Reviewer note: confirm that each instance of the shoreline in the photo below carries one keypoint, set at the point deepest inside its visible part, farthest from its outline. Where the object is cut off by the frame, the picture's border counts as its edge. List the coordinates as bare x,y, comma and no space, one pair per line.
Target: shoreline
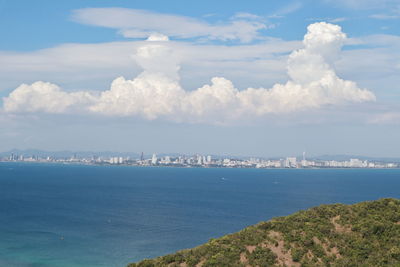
197,167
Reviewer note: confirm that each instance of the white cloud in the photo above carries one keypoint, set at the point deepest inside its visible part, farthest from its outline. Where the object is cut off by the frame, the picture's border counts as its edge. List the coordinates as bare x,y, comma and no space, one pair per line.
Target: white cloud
93,66
158,37
336,20
392,117
384,16
157,93
288,9
135,23
390,13
150,95
72,65
246,15
374,63
44,97
328,19
365,4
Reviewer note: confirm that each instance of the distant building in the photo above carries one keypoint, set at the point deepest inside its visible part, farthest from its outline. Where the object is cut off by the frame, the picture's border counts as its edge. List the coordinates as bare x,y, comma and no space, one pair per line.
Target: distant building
304,161
356,163
154,159
291,162
115,160
166,160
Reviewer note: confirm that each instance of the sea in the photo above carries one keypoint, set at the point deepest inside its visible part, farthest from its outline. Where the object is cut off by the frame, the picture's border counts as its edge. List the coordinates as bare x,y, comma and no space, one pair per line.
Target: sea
58,215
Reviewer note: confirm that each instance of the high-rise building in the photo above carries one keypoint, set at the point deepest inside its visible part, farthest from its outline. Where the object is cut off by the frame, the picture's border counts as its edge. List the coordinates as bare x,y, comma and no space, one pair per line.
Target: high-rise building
356,163
154,159
115,160
291,162
304,161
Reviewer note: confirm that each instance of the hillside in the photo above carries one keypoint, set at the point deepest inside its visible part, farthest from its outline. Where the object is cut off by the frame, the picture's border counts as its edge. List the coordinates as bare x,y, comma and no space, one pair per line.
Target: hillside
363,234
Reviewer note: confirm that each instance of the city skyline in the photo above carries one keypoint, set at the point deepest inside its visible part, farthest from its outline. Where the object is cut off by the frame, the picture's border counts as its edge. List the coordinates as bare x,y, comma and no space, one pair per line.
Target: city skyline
262,79
204,161
140,155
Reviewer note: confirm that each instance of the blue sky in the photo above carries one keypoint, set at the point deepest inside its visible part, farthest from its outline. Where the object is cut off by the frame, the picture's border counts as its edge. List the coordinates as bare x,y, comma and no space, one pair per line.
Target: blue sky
42,24
69,52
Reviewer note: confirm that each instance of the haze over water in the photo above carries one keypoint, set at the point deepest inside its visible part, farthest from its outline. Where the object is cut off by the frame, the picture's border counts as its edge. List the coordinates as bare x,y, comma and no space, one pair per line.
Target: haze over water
75,215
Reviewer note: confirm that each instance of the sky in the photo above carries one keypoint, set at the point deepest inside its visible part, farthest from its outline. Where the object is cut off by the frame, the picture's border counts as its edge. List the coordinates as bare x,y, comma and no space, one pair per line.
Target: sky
252,78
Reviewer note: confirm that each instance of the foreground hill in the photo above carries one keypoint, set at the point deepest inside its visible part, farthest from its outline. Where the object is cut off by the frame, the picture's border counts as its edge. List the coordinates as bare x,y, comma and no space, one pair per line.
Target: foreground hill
363,234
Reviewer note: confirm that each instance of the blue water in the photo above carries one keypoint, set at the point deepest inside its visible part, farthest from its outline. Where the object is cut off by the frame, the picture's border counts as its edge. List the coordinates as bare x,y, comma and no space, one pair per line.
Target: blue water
72,215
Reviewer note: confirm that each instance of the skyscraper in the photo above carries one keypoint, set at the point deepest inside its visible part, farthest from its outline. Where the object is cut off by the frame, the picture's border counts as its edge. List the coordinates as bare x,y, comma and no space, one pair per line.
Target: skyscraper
154,159
304,161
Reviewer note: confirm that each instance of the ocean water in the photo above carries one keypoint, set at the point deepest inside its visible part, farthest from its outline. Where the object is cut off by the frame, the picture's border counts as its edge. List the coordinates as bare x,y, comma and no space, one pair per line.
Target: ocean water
73,215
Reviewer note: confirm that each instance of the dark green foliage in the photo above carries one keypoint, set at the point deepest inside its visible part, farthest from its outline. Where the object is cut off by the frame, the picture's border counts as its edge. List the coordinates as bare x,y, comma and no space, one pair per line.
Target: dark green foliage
363,234
146,263
297,254
262,257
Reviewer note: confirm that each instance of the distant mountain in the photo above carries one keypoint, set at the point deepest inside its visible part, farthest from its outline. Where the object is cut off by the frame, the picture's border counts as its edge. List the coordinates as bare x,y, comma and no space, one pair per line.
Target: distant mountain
363,234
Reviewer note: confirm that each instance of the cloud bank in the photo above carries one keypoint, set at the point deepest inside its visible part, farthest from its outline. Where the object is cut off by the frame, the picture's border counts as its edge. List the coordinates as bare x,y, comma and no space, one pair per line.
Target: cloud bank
136,23
157,93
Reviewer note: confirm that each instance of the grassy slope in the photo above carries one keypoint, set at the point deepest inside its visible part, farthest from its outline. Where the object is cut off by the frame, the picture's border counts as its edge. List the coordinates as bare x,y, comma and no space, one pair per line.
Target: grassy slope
363,234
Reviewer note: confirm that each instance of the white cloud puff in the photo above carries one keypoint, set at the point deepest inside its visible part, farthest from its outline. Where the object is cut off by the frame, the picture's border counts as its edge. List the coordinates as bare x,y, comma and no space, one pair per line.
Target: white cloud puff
157,93
150,95
44,97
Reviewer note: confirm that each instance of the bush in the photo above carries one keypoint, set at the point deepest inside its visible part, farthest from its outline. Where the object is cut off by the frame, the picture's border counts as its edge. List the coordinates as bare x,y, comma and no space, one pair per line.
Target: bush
373,240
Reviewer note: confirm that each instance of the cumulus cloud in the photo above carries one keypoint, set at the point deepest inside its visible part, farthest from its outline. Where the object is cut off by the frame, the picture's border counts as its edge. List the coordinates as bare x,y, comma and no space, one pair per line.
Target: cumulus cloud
157,93
136,23
77,66
44,97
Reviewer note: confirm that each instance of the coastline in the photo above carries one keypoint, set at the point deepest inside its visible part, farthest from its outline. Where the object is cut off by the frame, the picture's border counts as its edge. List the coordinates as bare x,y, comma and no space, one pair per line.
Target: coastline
196,167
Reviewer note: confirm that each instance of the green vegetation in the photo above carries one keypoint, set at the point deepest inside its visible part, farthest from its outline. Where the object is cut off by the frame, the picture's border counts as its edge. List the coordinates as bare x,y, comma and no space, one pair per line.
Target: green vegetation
363,234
